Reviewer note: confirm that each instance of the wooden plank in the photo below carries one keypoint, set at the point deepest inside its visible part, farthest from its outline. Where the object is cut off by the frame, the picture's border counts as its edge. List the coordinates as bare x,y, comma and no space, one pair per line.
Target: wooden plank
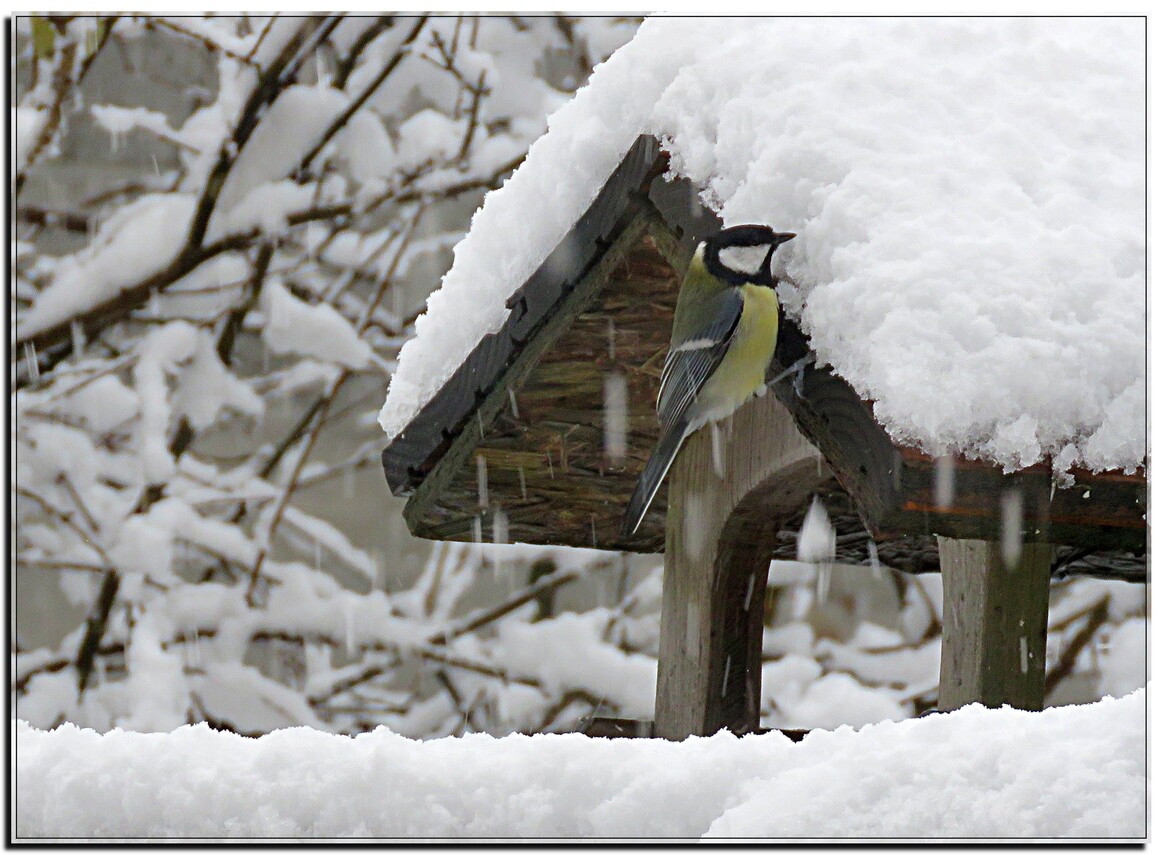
720,530
1101,511
617,728
634,728
993,640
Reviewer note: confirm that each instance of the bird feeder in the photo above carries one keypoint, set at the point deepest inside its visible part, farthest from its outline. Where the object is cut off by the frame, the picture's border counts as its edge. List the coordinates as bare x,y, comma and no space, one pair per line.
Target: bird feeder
519,433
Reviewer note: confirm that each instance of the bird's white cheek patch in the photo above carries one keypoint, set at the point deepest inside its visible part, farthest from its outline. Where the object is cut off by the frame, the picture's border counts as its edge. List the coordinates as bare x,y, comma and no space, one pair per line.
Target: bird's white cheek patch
745,260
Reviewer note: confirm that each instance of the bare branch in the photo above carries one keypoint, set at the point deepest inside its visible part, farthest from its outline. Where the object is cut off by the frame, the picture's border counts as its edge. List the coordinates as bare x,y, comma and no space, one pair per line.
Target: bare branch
62,85
1065,665
270,84
95,625
207,42
361,99
262,36
481,617
347,65
478,93
49,340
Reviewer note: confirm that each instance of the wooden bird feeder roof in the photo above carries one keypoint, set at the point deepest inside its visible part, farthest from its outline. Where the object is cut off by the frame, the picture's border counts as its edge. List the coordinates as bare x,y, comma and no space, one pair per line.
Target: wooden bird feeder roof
519,428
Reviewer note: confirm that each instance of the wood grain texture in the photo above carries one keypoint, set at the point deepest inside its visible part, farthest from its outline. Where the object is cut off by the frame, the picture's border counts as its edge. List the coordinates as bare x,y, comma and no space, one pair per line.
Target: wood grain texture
544,445
1104,511
993,639
721,528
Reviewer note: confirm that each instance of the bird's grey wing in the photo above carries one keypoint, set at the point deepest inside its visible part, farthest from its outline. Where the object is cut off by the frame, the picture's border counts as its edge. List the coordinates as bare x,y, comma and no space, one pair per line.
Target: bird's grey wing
689,364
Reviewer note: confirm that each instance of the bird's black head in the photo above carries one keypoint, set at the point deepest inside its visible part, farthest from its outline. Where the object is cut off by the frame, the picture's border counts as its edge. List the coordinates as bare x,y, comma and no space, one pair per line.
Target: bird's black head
743,254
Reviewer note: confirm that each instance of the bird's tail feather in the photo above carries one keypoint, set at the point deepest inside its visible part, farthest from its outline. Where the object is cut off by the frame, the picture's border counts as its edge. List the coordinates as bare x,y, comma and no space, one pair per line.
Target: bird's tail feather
651,478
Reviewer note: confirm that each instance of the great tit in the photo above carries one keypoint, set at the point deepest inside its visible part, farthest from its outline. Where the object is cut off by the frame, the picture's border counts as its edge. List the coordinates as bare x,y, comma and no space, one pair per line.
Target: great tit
723,337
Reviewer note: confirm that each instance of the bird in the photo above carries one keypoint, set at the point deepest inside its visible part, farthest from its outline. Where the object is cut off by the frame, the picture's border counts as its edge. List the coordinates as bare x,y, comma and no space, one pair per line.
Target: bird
723,336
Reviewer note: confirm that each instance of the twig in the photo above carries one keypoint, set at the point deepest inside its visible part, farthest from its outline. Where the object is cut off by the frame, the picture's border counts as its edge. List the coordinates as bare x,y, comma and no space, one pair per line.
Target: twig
436,654
66,518
95,319
457,702
104,33
475,620
93,375
262,36
478,93
115,193
568,699
452,190
1065,664
347,65
361,99
206,41
233,323
98,617
48,564
344,685
934,627
285,497
80,505
368,455
62,86
70,221
95,625
293,435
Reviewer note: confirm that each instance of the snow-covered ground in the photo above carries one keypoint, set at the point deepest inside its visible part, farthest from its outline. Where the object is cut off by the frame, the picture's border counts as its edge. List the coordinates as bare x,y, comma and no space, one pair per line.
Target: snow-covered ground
1075,772
968,195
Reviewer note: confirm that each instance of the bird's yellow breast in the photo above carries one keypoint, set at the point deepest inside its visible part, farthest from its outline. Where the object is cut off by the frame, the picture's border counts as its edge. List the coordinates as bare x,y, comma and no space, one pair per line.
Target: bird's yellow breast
744,367
758,328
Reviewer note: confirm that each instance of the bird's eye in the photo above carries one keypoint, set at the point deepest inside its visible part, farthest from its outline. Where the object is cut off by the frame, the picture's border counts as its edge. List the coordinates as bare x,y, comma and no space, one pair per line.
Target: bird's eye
744,260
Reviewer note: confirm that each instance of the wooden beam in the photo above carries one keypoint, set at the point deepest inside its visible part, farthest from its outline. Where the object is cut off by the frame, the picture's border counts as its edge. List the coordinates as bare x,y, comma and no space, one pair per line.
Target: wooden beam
721,528
893,486
1101,511
993,638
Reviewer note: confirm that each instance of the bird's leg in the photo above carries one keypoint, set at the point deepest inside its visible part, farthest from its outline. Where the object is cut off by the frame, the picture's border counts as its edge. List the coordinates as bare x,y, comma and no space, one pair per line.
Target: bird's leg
797,368
800,366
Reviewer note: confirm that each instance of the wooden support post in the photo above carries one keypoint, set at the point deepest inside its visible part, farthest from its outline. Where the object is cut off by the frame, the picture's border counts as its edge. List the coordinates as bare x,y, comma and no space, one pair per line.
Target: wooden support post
721,525
993,641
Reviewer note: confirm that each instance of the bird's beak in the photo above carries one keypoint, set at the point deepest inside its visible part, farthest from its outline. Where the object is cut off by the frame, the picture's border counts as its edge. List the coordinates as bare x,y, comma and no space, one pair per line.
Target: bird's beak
781,237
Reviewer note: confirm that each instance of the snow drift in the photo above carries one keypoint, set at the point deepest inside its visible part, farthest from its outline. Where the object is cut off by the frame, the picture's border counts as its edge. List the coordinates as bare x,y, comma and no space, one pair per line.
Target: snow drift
1076,772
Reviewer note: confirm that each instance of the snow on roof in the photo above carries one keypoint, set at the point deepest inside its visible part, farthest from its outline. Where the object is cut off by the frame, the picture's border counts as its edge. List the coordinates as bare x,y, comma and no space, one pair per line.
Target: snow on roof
969,197
1077,771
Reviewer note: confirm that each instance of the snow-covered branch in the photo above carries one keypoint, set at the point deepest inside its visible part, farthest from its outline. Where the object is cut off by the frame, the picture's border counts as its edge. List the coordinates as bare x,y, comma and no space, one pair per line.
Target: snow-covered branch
207,317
